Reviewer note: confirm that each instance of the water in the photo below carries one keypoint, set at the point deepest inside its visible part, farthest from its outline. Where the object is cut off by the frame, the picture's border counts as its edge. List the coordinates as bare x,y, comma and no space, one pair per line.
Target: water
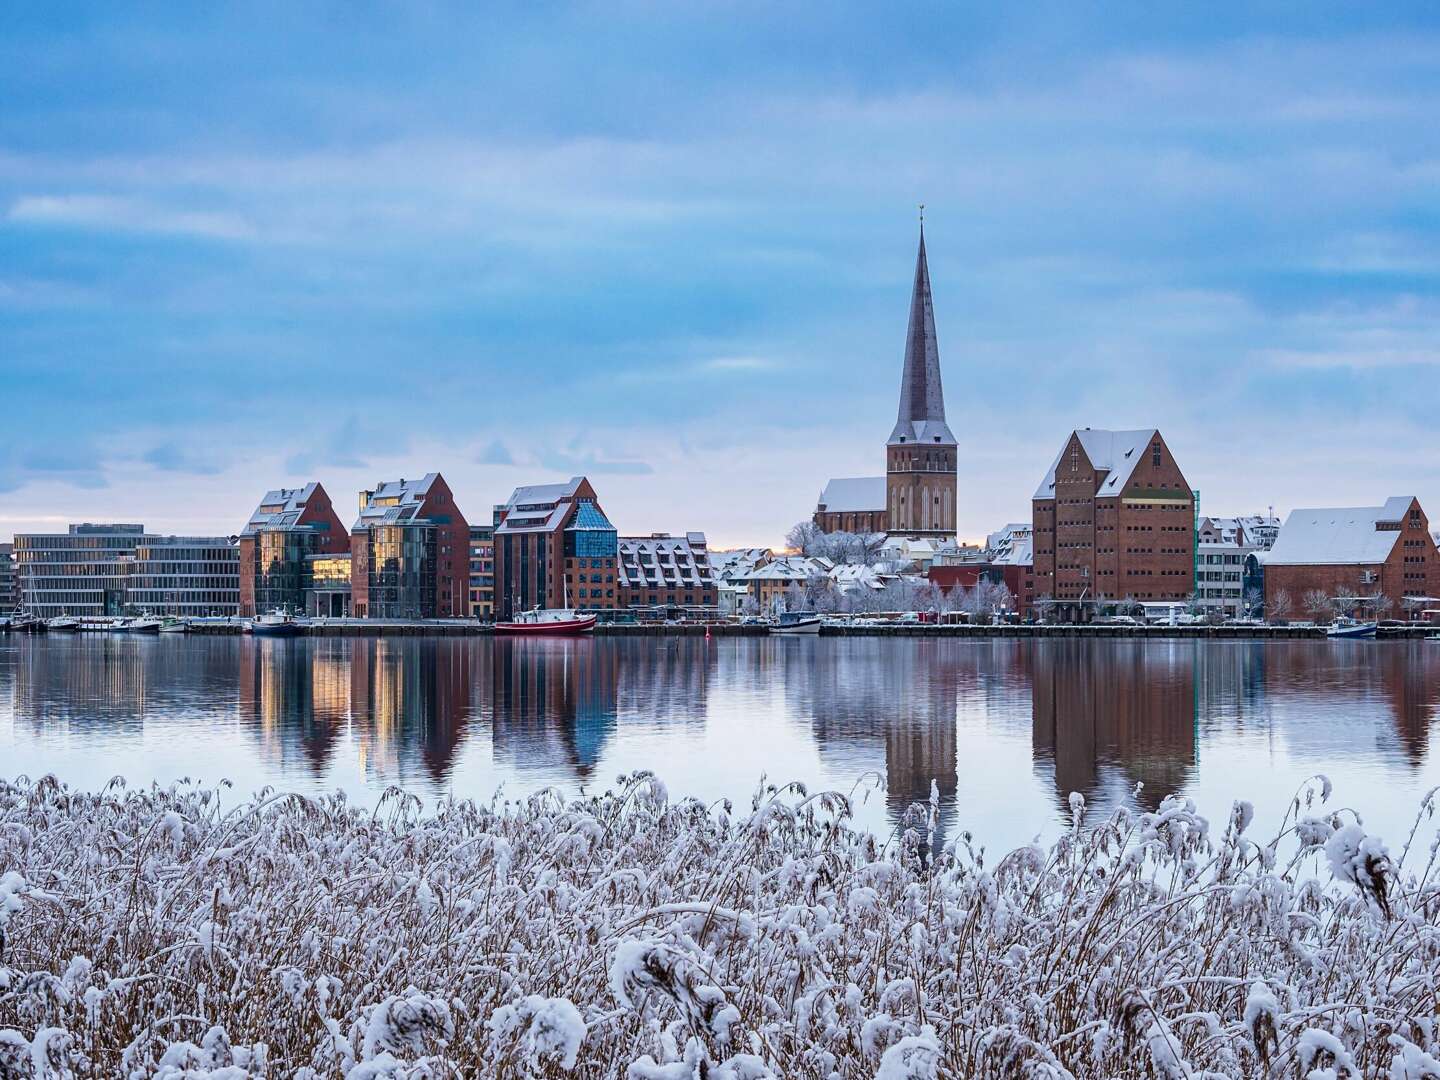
1006,728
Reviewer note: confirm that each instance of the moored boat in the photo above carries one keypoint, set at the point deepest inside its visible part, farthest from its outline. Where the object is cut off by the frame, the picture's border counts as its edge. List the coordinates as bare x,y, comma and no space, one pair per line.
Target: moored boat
27,623
797,622
1349,628
172,625
548,622
63,624
275,624
145,624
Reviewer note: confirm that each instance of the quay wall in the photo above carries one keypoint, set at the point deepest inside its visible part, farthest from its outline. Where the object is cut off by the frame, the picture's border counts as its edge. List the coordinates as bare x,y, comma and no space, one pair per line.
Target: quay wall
462,628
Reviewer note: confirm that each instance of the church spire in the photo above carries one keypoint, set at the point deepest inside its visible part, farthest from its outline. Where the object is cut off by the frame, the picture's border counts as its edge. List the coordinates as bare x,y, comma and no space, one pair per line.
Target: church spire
922,401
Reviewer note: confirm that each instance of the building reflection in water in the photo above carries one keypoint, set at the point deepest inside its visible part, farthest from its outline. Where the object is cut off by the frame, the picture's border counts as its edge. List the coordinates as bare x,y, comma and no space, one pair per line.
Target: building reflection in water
1096,717
552,704
1107,718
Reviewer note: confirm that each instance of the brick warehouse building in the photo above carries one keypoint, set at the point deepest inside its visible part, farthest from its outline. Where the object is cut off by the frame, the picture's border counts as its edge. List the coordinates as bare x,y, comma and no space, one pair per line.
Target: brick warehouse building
666,572
916,497
1382,554
554,548
1114,518
410,552
289,526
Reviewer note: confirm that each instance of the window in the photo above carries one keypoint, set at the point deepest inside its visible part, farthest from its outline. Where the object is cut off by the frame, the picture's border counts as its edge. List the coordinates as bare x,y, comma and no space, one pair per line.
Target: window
1155,454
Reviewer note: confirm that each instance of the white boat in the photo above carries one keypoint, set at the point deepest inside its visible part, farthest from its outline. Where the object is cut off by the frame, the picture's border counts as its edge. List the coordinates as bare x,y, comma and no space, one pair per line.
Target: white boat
64,624
797,622
145,624
172,625
1349,628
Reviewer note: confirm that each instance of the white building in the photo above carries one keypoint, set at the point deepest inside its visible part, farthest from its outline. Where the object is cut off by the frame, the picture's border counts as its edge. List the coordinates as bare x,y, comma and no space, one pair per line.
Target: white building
1221,546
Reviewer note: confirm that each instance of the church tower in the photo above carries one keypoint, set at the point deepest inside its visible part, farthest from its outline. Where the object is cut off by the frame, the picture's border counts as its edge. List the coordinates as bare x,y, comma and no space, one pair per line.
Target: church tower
920,455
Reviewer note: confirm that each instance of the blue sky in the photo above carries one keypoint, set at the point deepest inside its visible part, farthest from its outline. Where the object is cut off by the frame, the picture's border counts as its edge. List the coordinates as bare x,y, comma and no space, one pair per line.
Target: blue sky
671,246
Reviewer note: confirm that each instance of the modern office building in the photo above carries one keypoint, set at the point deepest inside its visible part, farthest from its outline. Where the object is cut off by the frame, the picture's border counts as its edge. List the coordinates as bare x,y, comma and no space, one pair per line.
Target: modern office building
482,572
1113,520
120,569
661,573
186,576
288,527
1382,559
410,552
554,548
327,585
917,495
8,595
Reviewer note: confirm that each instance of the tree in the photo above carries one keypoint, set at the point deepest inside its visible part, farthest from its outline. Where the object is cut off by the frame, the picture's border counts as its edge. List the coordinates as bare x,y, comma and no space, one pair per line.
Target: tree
1382,605
1280,606
803,535
749,605
1253,601
1345,602
1317,605
1044,607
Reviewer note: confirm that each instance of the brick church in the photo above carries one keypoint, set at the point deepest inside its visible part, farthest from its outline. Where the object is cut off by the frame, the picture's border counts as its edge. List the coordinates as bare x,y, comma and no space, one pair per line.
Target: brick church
916,496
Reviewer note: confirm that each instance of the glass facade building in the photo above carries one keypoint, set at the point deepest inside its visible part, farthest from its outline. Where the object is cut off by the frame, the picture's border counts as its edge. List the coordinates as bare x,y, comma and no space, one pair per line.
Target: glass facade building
9,597
106,570
402,563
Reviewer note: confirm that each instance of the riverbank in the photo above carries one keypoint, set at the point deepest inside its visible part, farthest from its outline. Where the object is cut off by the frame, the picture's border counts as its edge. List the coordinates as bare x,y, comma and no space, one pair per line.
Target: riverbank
466,628
157,931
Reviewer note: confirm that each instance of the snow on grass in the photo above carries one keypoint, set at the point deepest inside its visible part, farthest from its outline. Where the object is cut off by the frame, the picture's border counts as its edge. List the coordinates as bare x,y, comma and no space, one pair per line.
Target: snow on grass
158,934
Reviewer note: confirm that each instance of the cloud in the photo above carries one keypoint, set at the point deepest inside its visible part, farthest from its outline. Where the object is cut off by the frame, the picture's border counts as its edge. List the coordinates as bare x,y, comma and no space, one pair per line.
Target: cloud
76,463
124,214
173,457
497,453
589,463
737,363
344,448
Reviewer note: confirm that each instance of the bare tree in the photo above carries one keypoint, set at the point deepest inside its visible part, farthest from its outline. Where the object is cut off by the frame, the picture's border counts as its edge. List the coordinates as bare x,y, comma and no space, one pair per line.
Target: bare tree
1253,601
1280,606
1317,605
803,536
749,605
1044,606
1345,602
1382,605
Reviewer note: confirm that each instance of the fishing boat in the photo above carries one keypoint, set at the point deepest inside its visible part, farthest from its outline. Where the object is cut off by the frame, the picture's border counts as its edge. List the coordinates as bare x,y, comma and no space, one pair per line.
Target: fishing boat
797,622
275,624
548,622
172,625
26,623
65,624
1350,628
145,624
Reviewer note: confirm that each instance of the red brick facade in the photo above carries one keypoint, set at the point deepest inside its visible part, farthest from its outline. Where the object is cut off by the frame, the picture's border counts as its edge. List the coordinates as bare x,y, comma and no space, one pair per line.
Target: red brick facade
316,514
1412,569
1094,544
851,521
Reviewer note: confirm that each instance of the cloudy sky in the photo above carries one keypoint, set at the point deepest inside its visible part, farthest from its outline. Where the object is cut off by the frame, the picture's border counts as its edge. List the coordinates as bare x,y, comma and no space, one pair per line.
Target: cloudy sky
672,249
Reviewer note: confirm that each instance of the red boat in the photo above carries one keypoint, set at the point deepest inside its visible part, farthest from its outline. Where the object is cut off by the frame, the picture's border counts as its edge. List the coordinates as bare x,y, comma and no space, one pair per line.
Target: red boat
548,622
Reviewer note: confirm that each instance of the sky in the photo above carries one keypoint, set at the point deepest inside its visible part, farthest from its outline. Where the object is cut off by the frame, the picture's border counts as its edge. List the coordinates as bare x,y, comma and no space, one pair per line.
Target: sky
670,247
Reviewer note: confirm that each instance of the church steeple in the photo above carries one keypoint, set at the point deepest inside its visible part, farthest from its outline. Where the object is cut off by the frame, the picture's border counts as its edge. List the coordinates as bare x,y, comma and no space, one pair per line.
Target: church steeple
922,401
921,454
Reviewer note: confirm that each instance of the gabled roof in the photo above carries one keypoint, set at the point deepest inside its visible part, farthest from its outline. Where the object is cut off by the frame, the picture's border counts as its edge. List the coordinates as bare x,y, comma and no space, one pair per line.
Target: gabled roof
279,509
664,561
394,502
1117,452
1337,536
854,494
922,400
542,507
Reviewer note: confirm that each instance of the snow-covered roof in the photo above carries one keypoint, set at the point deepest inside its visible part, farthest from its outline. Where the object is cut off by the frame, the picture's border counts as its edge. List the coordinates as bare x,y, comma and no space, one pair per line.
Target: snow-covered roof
1117,452
664,561
854,494
541,507
279,509
394,502
1335,536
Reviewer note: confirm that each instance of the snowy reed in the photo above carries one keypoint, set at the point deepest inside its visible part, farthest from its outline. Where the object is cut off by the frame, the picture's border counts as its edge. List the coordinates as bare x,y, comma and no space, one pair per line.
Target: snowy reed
159,933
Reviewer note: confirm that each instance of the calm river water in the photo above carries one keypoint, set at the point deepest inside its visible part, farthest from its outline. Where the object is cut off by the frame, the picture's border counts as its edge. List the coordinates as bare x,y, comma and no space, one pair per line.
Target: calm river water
1007,728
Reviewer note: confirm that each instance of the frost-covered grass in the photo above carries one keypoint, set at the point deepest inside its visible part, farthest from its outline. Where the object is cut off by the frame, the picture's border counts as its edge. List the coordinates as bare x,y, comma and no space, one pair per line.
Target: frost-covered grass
151,933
